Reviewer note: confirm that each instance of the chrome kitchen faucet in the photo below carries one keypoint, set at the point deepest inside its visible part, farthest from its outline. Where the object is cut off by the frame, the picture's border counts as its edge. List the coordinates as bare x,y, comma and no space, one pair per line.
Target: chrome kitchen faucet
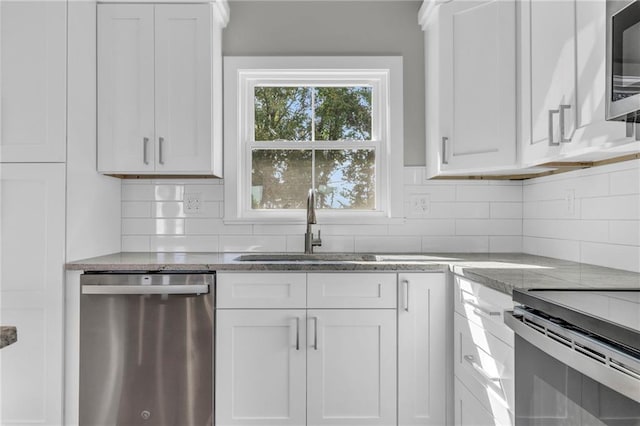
309,241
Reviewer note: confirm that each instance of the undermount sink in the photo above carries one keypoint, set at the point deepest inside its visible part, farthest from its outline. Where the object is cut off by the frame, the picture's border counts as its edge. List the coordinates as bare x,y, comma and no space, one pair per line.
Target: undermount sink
301,257
334,257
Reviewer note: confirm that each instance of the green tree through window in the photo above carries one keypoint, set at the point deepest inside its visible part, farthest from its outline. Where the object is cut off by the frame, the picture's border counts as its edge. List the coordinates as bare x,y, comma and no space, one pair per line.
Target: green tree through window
311,116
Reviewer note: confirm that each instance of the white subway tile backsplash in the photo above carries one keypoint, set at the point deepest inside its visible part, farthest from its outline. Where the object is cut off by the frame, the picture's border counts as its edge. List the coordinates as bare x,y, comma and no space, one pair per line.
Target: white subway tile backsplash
387,244
462,244
136,209
168,209
624,232
175,243
625,182
133,226
136,192
168,192
424,227
201,226
611,255
505,210
209,192
135,243
549,247
489,227
459,210
532,216
619,207
255,243
335,244
505,244
467,192
604,227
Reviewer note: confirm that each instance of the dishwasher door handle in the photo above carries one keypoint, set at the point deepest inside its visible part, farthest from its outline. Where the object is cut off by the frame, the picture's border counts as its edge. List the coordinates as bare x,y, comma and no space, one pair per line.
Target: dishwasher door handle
146,289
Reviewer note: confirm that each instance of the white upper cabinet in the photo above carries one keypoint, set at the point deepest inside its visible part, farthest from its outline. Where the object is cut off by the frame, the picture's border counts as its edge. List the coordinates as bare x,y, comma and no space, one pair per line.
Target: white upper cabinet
125,88
33,75
470,54
158,89
561,65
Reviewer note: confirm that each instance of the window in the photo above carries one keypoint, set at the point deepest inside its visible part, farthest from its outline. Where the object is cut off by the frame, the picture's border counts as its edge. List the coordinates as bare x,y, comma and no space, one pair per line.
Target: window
321,123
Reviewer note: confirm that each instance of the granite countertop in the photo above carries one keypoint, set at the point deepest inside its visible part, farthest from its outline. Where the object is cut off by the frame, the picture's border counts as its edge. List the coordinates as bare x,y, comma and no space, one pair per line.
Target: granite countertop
500,271
8,335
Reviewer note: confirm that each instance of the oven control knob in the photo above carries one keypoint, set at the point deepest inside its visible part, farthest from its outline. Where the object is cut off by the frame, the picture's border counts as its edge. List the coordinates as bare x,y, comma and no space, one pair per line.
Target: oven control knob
145,414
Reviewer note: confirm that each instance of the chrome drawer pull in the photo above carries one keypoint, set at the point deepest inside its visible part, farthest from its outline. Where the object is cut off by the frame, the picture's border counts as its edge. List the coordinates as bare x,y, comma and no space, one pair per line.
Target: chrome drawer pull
551,113
477,309
297,334
315,333
145,142
563,139
405,284
471,360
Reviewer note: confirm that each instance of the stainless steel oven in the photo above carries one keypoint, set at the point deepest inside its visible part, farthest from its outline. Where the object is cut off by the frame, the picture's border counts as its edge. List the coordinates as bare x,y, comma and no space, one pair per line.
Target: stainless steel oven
623,60
577,357
146,349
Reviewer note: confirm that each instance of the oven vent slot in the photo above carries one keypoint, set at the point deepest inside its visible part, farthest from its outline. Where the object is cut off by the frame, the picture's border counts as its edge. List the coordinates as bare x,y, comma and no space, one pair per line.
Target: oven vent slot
582,342
629,371
559,338
591,353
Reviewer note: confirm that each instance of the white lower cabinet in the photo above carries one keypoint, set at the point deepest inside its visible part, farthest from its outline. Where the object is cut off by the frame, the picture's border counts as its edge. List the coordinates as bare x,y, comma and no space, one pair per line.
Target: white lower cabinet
261,367
32,216
344,363
351,359
422,342
483,356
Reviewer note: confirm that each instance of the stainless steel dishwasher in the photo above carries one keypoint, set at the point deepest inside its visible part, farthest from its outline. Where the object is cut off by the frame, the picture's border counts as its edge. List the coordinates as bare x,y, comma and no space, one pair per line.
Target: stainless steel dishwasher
146,349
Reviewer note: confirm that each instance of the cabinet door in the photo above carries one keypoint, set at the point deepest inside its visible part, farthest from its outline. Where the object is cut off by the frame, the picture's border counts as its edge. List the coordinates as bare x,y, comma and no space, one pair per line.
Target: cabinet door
125,88
260,367
33,58
32,209
351,367
548,75
479,129
183,88
422,314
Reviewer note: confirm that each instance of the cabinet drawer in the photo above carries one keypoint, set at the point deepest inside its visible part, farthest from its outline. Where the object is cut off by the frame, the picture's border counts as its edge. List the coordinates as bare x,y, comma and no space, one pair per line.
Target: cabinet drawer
352,290
485,364
469,411
483,306
261,290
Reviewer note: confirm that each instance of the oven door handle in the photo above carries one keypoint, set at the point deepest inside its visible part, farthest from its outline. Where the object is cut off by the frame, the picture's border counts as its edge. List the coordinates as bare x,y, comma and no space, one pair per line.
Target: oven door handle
196,289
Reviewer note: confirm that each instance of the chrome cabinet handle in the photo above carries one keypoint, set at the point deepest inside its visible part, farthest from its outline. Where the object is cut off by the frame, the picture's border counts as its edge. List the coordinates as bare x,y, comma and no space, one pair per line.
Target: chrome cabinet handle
471,360
160,146
405,287
145,144
563,108
551,113
315,333
444,150
479,309
297,334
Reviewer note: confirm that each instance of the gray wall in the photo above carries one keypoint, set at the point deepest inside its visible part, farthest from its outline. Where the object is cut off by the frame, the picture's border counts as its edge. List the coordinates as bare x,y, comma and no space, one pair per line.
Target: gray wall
271,28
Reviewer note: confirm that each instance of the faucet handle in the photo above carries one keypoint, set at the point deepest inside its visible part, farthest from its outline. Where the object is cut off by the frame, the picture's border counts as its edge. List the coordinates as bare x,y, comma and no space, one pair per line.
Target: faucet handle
317,241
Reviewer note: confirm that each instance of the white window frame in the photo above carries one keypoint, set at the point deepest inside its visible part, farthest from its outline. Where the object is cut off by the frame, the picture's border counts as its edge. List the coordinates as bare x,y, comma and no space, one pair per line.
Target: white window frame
383,73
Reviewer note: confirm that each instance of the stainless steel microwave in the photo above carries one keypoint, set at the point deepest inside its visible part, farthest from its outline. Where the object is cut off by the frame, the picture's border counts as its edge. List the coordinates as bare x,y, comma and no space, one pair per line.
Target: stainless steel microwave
623,60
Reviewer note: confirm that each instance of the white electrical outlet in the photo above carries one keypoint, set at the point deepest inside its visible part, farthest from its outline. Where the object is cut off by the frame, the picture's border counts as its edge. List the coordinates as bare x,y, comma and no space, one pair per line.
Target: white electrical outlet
420,204
193,203
570,202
